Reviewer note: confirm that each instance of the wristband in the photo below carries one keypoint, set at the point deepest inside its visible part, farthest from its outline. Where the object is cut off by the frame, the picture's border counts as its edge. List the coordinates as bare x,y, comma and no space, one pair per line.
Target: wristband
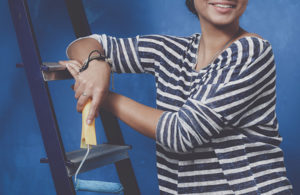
100,56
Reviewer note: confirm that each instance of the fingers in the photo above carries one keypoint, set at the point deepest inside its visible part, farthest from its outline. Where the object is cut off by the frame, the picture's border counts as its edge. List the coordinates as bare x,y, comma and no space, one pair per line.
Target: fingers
73,71
75,62
93,110
77,65
91,84
82,101
73,67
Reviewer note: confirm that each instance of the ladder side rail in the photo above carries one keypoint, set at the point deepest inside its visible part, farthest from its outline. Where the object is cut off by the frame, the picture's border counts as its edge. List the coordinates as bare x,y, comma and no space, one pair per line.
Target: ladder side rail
124,167
41,97
78,18
110,122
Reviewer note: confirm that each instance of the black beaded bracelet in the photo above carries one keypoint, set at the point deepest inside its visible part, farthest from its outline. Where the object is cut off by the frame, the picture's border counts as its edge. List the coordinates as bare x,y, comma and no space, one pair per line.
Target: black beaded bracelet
100,56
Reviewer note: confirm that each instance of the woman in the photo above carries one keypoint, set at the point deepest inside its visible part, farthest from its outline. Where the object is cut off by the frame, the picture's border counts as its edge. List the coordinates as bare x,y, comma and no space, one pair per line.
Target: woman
215,124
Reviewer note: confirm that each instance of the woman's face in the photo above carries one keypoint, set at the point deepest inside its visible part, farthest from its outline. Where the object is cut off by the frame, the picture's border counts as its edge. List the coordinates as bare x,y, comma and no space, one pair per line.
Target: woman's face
220,12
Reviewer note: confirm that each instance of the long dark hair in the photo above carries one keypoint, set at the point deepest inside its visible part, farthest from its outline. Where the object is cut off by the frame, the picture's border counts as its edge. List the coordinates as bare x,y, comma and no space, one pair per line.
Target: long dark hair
191,6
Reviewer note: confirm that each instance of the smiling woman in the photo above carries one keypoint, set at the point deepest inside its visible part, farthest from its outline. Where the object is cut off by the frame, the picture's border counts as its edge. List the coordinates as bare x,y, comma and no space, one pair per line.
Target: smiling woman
222,12
215,123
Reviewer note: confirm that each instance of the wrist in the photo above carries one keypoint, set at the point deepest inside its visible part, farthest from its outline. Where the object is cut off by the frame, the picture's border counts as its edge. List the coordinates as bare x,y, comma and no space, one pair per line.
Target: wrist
103,64
95,55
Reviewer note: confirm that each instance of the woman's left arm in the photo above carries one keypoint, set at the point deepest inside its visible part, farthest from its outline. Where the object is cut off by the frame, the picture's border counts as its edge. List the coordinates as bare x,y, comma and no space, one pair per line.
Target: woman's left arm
200,119
241,97
143,119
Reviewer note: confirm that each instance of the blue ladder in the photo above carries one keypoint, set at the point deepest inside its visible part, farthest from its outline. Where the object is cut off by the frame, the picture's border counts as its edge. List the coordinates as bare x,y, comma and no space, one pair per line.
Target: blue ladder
64,165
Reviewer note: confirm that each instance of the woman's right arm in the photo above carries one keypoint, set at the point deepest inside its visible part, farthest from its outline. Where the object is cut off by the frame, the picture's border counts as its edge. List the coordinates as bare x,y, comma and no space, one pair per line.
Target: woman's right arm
80,49
93,83
130,55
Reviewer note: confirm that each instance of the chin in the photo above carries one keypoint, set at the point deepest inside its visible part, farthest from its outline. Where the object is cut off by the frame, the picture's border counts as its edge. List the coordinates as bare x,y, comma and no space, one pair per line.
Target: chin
220,12
221,21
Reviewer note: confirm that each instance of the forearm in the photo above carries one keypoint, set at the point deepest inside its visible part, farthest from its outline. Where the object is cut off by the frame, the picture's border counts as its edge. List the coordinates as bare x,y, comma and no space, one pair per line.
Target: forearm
143,119
80,50
93,83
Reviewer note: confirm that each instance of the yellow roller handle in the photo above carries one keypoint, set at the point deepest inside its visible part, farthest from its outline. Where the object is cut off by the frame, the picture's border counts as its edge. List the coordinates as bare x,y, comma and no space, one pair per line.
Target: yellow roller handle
88,132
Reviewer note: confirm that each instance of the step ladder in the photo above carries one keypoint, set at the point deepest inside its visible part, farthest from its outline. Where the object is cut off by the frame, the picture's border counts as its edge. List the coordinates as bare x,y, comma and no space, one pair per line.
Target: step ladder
64,165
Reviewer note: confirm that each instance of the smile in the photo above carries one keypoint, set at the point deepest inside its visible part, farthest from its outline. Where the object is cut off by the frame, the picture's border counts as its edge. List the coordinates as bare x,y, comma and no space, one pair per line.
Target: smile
222,5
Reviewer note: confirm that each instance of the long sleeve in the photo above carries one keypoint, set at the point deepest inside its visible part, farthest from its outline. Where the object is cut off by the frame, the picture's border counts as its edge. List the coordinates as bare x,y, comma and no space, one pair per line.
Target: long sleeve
241,94
141,54
122,53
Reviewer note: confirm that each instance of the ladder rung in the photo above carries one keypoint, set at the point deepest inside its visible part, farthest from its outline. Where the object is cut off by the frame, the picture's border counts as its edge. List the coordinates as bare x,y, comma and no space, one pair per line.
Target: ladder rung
99,156
54,71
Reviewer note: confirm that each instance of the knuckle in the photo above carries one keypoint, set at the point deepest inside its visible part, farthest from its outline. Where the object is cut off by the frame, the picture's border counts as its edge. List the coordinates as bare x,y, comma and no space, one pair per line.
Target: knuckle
77,95
94,103
89,85
77,83
79,104
91,114
101,91
83,81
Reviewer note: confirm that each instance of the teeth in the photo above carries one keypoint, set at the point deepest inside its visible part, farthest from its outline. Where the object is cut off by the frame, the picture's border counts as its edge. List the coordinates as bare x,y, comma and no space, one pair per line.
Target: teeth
223,6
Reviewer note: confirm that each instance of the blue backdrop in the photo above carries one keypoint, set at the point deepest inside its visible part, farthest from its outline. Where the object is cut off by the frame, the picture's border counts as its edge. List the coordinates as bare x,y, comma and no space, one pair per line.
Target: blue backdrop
21,145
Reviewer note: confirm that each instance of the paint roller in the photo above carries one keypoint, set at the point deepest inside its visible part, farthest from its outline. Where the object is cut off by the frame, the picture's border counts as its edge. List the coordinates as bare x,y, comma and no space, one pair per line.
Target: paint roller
88,139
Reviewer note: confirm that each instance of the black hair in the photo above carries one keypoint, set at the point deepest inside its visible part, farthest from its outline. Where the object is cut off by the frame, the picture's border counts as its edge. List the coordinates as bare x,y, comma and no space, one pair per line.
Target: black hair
191,6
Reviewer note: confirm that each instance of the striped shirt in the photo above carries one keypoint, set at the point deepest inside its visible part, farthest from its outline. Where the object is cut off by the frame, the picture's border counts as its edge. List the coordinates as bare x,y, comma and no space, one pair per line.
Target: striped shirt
219,131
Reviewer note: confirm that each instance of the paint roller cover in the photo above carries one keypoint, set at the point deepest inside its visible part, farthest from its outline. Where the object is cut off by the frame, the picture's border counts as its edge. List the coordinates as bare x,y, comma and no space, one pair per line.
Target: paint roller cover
98,186
88,133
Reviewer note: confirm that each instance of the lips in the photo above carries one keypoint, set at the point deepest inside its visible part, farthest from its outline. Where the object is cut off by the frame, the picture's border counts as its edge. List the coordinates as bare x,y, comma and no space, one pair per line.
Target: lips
223,4
223,7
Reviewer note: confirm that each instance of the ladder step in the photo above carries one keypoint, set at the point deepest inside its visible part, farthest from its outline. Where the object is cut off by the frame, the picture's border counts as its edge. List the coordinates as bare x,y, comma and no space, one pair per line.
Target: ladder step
53,71
99,156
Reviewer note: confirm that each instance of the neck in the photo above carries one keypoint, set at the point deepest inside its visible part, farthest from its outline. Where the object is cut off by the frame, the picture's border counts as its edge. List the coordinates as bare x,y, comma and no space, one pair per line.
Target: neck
215,37
213,40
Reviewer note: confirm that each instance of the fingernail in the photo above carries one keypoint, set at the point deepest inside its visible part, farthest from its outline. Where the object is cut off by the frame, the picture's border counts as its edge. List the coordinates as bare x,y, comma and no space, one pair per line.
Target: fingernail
89,122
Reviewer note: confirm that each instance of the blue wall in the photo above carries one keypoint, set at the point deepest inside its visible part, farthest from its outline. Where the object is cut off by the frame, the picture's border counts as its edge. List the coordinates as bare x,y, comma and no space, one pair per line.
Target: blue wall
21,146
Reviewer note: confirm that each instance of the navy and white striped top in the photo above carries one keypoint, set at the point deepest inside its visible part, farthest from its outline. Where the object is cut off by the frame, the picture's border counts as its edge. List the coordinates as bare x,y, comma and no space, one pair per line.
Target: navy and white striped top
219,131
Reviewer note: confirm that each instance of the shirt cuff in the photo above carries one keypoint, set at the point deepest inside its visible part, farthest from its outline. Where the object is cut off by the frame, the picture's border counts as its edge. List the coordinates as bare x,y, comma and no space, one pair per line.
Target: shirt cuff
161,134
